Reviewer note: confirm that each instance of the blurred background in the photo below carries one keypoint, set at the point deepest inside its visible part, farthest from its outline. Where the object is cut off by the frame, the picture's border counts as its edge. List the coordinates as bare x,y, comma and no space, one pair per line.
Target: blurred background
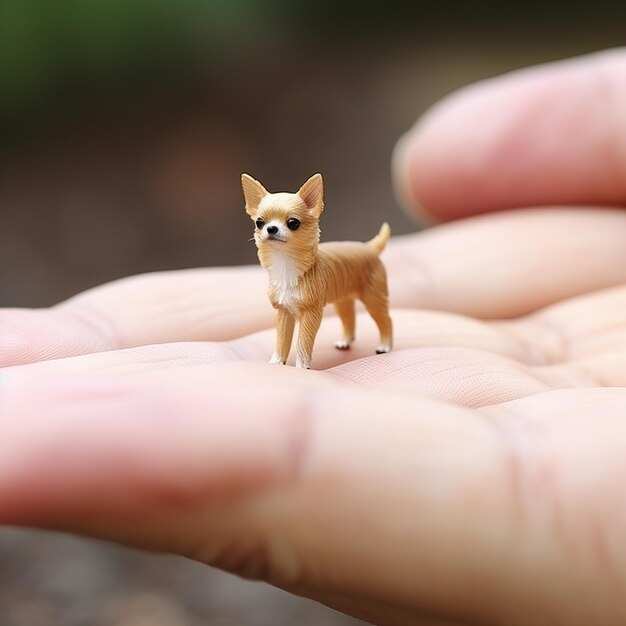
124,128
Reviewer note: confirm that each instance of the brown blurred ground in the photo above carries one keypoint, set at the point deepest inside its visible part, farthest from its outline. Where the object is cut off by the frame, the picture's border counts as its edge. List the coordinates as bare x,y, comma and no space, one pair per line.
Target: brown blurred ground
148,178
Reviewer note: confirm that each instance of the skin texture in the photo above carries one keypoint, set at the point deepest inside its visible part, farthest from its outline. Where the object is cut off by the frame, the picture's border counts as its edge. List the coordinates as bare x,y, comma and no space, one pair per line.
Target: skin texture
473,476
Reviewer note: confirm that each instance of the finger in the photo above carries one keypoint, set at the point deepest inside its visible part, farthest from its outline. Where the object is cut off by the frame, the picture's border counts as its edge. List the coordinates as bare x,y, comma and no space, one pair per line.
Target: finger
119,412
207,304
470,530
213,304
509,264
576,328
584,337
553,134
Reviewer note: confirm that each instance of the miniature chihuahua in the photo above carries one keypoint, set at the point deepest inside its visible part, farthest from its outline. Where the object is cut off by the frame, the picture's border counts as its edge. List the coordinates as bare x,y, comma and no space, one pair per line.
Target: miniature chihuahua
305,275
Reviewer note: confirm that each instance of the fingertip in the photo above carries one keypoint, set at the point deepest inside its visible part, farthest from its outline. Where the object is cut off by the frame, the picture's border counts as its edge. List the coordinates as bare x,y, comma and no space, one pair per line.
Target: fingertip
542,135
444,166
402,177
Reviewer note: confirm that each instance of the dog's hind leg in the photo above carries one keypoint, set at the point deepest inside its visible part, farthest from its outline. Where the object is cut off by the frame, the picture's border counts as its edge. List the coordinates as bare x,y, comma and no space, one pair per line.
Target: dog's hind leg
376,302
345,310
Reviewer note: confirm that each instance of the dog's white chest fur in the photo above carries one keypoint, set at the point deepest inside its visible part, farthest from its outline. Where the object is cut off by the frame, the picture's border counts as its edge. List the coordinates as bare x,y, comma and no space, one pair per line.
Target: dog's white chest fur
284,281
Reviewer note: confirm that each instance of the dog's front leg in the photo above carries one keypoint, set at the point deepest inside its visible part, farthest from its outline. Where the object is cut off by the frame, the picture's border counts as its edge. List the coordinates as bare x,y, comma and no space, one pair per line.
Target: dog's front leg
310,321
285,322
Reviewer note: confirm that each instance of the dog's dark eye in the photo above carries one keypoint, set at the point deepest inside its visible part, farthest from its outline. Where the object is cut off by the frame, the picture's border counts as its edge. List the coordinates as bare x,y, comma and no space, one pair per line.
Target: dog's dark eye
260,223
293,223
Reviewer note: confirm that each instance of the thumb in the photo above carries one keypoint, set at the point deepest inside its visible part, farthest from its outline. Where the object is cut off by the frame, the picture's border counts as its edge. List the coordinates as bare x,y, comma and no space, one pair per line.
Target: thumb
319,489
552,134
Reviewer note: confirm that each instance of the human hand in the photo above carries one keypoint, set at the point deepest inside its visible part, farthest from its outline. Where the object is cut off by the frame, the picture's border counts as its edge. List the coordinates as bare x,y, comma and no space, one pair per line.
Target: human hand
472,475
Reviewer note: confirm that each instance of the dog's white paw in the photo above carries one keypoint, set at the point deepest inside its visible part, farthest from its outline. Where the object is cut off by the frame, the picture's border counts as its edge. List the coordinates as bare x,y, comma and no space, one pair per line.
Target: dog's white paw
276,359
303,364
342,344
383,349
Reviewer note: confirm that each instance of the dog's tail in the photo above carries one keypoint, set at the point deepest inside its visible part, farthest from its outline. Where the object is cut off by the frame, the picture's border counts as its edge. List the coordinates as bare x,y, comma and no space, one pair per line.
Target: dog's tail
379,242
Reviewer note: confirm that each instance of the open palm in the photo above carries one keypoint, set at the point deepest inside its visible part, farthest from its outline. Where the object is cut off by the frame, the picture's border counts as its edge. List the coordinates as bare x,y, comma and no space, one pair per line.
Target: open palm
474,475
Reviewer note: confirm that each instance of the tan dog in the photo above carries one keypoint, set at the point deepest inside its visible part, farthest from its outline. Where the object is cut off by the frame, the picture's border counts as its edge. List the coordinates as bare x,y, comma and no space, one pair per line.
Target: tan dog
305,275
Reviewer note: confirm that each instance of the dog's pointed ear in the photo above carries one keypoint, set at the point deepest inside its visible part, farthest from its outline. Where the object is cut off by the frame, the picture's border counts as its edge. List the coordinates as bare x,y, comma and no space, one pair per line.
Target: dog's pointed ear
253,192
312,192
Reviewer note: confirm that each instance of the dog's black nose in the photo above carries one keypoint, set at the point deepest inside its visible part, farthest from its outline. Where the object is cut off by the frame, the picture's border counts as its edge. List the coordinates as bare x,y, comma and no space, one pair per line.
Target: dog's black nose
272,230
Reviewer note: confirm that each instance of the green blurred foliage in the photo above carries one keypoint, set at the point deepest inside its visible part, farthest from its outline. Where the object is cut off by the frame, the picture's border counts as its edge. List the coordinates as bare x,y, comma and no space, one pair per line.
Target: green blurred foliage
51,49
53,52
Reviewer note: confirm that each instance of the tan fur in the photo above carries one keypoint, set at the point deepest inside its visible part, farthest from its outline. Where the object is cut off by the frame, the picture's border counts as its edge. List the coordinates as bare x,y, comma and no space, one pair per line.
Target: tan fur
305,275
